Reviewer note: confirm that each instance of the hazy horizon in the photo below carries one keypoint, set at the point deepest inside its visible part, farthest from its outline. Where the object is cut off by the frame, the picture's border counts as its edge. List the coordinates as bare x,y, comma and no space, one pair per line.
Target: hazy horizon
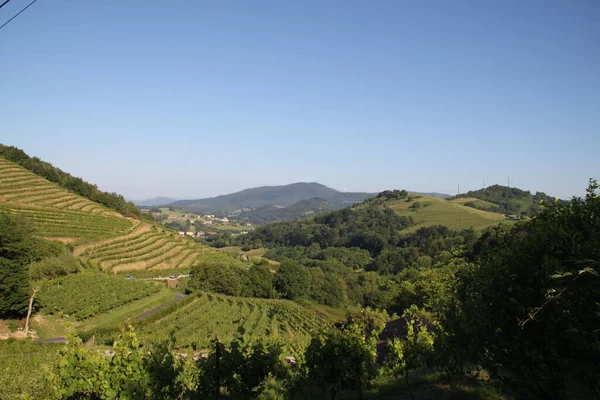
195,100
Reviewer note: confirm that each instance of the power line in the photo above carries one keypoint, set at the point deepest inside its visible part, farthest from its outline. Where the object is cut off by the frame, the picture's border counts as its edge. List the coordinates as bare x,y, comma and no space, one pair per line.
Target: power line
3,4
17,14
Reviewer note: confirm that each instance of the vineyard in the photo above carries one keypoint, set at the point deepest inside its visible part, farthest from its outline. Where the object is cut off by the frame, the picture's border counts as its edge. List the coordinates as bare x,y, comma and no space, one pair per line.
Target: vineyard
23,367
87,294
21,186
54,212
151,247
195,319
101,236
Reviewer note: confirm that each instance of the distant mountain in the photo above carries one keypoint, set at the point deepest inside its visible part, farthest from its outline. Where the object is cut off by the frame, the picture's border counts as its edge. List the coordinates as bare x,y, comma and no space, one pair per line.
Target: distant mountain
509,200
433,194
300,210
283,196
155,201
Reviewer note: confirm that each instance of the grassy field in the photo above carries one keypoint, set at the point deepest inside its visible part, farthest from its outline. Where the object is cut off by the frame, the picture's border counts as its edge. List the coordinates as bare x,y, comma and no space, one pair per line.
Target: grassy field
195,319
479,204
434,211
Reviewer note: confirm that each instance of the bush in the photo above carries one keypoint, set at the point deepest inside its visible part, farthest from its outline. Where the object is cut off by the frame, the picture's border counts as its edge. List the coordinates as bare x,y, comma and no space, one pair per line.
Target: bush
292,280
55,266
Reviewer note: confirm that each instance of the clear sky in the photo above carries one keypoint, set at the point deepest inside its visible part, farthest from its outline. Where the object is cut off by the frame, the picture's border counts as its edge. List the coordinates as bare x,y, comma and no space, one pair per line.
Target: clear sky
194,98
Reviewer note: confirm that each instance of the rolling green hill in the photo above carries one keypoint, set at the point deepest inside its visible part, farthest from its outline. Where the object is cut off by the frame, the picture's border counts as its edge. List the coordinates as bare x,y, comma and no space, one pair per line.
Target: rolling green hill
506,199
428,211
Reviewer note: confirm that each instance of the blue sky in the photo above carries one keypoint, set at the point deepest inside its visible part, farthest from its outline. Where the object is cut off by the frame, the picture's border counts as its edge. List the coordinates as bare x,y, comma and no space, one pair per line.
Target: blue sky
192,99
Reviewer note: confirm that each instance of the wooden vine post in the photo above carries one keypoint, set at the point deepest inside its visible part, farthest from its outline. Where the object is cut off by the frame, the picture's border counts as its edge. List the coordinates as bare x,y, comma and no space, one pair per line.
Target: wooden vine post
29,311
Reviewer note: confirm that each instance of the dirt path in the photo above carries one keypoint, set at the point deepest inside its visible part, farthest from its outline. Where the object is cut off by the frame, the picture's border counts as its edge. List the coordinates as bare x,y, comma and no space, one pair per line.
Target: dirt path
178,296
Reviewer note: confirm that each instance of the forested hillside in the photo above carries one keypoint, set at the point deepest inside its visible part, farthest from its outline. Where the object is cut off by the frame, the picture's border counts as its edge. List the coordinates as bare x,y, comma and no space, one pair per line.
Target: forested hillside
300,210
508,200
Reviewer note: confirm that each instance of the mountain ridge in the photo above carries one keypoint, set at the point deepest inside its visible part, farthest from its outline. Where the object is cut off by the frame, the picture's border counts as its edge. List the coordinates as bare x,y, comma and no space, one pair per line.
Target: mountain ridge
281,195
252,199
154,201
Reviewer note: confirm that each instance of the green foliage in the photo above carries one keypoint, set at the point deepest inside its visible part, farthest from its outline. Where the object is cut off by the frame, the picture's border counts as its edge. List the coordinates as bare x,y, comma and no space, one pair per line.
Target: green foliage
371,320
71,183
87,294
292,280
23,369
509,200
216,278
86,373
411,352
369,227
203,315
532,303
232,280
259,282
52,267
422,249
240,369
342,359
18,248
326,288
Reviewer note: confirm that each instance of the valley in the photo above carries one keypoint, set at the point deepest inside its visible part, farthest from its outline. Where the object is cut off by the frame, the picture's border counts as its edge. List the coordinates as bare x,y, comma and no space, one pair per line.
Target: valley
279,287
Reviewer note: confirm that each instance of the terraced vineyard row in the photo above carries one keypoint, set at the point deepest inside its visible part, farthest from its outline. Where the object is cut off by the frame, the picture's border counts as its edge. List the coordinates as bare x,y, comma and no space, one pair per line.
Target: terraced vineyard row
77,226
211,314
101,236
18,185
150,247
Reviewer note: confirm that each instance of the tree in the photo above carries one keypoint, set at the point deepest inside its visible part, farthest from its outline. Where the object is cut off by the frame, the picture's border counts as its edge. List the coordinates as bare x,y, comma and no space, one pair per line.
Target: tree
225,279
292,280
260,282
17,250
325,288
532,302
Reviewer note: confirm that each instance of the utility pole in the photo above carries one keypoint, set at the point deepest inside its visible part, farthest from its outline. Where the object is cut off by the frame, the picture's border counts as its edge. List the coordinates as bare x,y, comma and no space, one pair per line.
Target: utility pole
458,187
